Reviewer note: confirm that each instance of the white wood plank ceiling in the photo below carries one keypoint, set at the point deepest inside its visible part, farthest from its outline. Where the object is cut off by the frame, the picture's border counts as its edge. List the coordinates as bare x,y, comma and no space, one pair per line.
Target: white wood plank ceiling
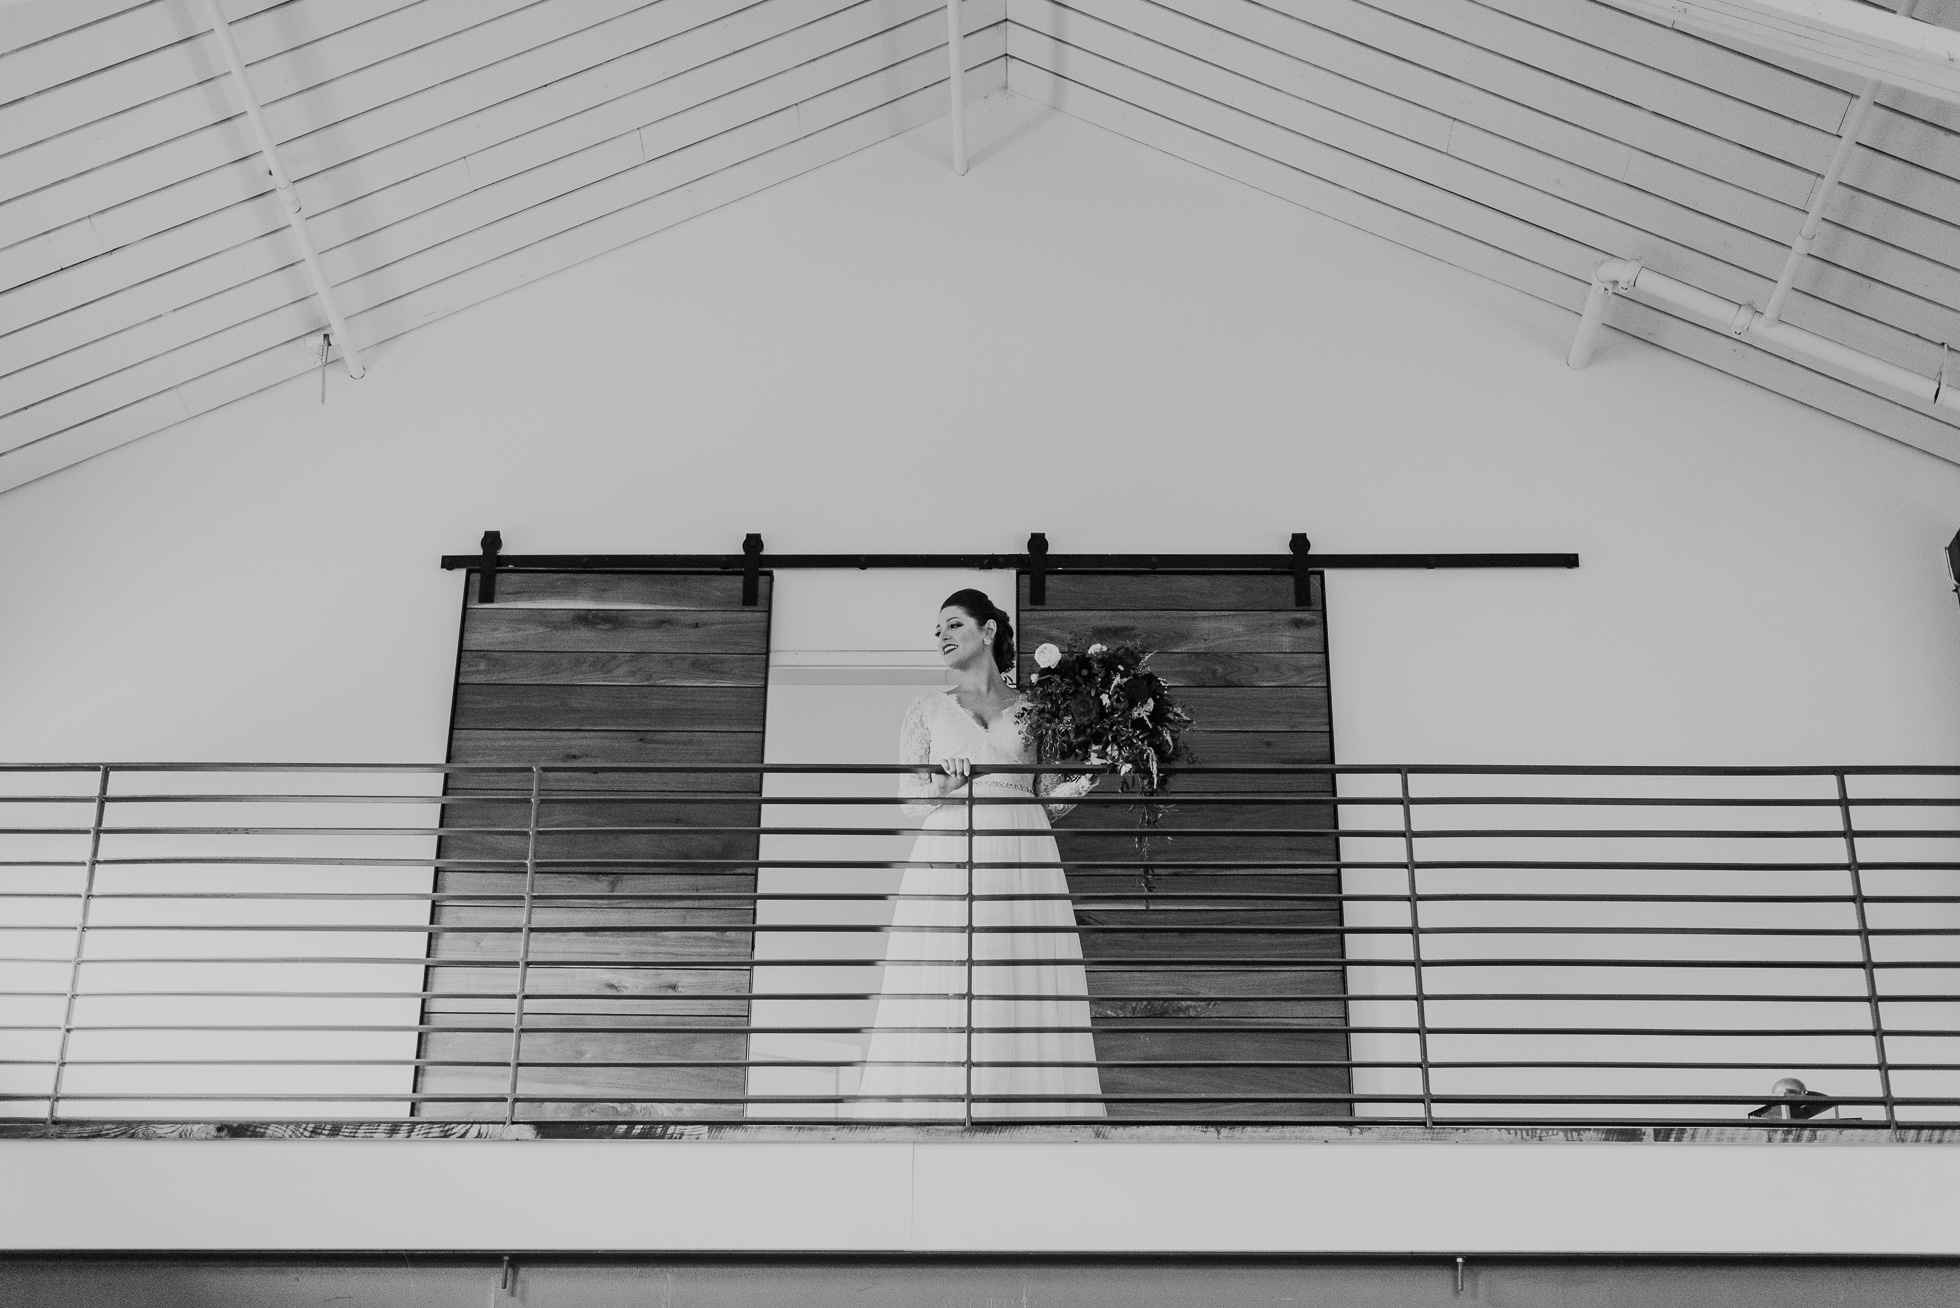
444,151
447,150
1527,139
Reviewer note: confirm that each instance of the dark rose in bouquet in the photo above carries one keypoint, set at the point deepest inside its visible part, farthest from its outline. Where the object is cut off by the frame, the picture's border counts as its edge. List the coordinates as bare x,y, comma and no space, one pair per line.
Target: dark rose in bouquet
1101,704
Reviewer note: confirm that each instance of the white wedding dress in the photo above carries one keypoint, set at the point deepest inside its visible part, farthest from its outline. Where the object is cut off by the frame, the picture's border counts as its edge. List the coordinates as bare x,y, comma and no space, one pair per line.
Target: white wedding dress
1030,1008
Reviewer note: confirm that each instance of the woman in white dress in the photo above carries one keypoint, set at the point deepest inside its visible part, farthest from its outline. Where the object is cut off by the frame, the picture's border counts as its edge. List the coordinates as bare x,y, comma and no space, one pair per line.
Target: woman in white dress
1031,1043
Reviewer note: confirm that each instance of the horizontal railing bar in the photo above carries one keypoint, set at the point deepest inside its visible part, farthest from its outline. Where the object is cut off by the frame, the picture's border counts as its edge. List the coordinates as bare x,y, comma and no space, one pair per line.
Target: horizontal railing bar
1168,902
953,1100
990,1063
858,1101
490,1025
493,898
1234,1063
784,996
622,1127
741,866
1167,1097
1091,799
1807,1125
1264,833
1113,801
828,1122
824,928
1249,867
1297,1026
1202,898
1336,769
1119,965
1013,929
1104,799
1664,865
1620,801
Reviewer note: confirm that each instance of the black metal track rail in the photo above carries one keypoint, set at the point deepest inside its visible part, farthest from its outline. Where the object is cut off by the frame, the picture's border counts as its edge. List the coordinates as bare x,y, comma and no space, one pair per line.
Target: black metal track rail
1299,562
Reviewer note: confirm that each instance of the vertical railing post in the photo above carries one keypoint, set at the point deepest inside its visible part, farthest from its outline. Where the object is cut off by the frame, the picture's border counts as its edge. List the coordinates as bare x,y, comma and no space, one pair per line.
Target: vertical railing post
1415,954
524,946
81,940
956,84
967,1077
1852,867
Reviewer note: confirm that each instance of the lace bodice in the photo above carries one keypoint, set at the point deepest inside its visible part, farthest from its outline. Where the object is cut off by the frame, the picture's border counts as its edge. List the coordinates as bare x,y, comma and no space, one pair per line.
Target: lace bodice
937,728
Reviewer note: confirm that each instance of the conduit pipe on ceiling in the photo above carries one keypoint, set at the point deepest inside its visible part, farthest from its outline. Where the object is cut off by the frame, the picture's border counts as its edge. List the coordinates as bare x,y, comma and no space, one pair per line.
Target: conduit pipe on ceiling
1625,276
309,253
955,83
1813,218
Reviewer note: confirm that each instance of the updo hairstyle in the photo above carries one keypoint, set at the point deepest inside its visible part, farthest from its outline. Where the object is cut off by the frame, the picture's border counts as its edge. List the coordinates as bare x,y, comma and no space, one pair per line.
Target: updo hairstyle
976,605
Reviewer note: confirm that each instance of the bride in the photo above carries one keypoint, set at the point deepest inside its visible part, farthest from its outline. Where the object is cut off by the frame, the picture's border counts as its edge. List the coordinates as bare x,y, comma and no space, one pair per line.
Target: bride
1030,1017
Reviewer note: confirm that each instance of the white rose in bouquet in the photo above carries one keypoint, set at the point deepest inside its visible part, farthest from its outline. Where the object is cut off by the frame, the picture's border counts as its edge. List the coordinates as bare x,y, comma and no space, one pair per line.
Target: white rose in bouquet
1047,656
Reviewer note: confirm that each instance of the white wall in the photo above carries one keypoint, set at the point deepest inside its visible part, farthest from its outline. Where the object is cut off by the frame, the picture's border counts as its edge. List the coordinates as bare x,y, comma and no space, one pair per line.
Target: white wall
1081,337
1378,1197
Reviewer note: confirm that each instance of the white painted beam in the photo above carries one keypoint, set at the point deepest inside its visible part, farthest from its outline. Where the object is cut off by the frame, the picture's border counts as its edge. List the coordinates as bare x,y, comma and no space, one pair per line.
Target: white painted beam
1840,34
956,84
302,237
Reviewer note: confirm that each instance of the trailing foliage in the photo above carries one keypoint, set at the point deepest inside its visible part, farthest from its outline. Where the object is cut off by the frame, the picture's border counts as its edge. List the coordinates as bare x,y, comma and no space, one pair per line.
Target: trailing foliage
1102,704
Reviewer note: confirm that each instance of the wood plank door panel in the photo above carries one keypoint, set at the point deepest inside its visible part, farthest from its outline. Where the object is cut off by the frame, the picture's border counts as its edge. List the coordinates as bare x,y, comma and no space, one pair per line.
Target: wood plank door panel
1231,1004
642,923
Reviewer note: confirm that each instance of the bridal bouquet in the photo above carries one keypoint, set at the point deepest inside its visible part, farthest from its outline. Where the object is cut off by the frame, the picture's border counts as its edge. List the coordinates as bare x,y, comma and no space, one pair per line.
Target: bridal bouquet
1102,704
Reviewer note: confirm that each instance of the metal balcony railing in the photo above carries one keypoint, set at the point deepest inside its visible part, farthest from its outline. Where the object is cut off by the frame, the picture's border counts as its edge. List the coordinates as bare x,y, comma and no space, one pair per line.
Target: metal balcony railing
595,949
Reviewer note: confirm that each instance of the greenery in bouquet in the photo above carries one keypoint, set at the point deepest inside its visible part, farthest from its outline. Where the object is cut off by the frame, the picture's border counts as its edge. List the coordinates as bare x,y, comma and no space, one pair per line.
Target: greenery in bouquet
1101,704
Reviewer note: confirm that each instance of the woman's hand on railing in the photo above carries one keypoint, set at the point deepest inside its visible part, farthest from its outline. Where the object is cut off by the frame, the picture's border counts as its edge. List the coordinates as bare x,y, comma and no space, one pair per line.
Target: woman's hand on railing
947,778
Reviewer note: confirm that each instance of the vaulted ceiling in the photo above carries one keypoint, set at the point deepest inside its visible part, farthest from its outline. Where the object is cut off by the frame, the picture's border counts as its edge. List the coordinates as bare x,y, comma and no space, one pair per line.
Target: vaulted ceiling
447,150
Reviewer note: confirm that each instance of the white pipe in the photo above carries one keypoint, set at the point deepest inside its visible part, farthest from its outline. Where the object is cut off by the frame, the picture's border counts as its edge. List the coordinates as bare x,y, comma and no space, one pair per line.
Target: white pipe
955,82
309,252
1813,219
1613,275
1590,321
1742,321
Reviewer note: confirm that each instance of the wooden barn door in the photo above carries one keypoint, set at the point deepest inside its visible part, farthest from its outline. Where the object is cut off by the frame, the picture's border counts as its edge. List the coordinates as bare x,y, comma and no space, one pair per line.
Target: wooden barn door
1252,668
572,669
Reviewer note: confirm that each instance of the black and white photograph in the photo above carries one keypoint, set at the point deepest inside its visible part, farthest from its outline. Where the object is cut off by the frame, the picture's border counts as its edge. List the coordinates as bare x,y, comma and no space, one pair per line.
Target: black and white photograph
979,653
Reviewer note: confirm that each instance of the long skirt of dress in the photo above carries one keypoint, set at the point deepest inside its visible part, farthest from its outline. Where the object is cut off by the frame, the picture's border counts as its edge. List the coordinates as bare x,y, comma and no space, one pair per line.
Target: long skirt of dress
1031,1035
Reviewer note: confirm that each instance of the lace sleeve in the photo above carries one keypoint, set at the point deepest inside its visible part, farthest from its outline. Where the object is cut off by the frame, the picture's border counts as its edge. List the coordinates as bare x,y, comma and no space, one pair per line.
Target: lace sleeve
915,789
1064,786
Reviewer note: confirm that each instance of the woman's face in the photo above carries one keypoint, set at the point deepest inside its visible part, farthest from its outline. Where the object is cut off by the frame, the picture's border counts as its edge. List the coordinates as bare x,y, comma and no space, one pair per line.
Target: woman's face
963,641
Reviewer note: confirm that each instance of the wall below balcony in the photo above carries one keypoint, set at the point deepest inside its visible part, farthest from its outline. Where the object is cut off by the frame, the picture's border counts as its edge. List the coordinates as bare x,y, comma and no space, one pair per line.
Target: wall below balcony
1081,337
967,1196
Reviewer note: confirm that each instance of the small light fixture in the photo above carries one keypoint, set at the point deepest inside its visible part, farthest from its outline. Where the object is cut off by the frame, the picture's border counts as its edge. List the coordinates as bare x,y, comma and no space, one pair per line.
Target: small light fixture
1791,1100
